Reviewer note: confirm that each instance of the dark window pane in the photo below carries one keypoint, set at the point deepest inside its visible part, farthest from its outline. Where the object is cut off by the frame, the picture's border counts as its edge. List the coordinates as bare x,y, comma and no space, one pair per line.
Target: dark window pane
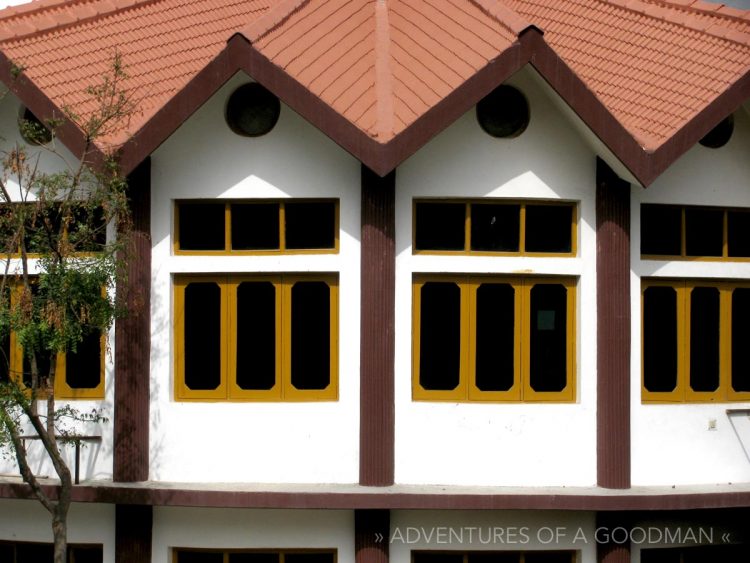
661,230
43,229
494,556
704,231
440,336
202,335
440,226
185,556
495,227
495,337
427,557
7,553
255,226
660,339
660,555
739,233
256,335
311,335
549,228
310,225
704,339
549,338
253,557
741,339
34,553
85,554
83,368
87,231
312,557
43,364
548,557
201,226
5,358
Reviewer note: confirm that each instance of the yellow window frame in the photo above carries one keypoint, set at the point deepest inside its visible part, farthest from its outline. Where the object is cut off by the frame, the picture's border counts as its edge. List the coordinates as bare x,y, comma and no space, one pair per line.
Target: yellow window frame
228,390
683,393
228,250
522,227
227,552
521,390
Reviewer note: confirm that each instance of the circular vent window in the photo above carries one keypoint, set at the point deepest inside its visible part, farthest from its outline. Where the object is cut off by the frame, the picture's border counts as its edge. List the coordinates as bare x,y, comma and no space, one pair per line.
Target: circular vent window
252,110
504,112
719,135
32,129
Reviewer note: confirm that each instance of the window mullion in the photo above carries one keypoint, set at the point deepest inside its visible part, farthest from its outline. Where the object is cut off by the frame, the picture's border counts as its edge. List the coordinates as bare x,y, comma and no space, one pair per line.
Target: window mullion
683,336
522,227
468,343
467,228
725,340
284,338
282,226
523,330
228,370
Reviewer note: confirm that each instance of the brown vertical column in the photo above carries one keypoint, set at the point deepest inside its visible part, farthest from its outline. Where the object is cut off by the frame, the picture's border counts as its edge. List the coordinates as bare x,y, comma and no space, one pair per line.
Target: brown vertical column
133,341
612,538
378,256
613,328
133,524
371,535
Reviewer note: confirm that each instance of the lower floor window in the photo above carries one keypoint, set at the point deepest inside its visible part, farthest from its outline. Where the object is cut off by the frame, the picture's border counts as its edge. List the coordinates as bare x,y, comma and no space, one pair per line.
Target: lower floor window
493,338
246,556
265,337
27,552
694,338
493,557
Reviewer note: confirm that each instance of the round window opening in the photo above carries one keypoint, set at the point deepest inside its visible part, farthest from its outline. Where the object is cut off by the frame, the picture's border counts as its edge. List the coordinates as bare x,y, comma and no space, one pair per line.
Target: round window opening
504,112
252,110
719,135
32,129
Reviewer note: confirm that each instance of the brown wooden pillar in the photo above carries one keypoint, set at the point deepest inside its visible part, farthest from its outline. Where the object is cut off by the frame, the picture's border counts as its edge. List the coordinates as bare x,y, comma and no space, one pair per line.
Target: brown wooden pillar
133,341
377,336
613,328
133,525
612,538
371,535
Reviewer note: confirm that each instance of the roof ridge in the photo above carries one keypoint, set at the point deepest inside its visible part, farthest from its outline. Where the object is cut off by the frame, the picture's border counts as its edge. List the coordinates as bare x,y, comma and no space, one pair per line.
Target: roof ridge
383,75
659,9
504,15
272,19
38,7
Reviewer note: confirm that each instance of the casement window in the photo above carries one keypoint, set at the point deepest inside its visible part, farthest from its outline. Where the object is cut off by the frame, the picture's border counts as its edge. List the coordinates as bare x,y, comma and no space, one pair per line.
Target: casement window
256,337
697,554
28,552
253,556
695,341
673,232
493,338
557,556
294,226
495,227
79,374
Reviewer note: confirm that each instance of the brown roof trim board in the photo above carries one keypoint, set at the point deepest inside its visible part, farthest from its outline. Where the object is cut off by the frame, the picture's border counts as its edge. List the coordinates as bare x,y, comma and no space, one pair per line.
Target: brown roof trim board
372,499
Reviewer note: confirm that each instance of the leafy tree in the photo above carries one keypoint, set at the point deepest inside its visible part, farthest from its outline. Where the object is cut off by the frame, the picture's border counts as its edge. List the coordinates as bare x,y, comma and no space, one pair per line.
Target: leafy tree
57,286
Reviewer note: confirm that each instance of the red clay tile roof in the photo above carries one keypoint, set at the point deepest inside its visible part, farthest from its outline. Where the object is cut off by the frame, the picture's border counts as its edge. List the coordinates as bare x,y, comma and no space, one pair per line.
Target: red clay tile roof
384,64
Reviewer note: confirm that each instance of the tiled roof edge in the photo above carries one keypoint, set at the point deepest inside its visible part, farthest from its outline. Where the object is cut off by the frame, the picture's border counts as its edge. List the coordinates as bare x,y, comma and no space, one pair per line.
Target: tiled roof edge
699,6
654,10
272,19
103,8
504,15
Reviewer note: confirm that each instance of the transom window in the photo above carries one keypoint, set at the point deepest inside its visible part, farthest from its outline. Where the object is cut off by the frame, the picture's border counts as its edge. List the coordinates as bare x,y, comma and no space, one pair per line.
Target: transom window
695,341
252,556
495,227
692,232
256,337
493,338
493,557
256,226
696,554
79,374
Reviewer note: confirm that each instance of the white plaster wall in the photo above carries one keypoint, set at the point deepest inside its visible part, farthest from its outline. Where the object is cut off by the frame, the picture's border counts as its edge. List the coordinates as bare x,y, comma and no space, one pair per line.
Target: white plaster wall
532,444
96,458
672,443
492,530
235,528
253,442
28,521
